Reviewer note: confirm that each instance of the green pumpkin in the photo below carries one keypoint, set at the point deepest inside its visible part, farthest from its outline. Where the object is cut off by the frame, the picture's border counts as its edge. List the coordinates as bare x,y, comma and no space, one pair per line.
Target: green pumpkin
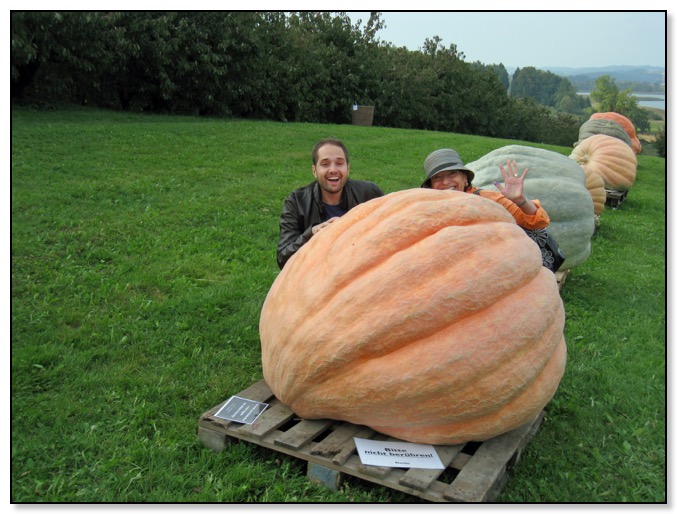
601,126
557,184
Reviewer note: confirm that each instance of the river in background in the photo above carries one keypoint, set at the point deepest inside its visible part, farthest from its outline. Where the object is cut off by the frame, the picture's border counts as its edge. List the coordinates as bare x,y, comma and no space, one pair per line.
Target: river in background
655,100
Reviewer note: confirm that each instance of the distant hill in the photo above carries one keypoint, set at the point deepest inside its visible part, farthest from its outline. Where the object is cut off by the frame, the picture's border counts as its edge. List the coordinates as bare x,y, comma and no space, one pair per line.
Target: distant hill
638,78
650,74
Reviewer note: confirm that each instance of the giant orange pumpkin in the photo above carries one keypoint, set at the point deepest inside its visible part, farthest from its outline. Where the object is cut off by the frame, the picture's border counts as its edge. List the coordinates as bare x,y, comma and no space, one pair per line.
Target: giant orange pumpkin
426,315
623,122
610,158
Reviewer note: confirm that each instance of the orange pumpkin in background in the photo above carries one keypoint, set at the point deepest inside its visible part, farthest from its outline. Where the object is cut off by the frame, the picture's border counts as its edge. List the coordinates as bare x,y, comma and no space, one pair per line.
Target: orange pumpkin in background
610,158
426,315
623,122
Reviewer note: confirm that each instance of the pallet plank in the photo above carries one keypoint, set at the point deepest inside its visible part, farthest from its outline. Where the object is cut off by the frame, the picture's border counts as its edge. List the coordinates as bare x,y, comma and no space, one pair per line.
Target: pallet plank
420,479
212,439
487,466
530,434
375,471
334,442
259,392
216,423
349,446
275,416
303,433
460,461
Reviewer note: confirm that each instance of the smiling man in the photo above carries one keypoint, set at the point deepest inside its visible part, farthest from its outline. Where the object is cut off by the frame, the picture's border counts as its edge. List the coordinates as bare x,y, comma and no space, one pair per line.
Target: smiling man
311,208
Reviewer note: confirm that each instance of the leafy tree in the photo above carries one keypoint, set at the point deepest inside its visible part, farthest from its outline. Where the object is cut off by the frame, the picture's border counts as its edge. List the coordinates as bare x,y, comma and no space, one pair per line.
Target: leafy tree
332,65
484,98
27,33
547,89
540,85
501,73
498,69
408,89
144,81
568,100
528,120
608,98
437,90
660,143
57,57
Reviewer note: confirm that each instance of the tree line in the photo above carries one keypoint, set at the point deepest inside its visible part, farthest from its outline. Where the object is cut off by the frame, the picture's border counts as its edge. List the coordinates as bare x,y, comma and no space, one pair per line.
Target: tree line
295,66
587,83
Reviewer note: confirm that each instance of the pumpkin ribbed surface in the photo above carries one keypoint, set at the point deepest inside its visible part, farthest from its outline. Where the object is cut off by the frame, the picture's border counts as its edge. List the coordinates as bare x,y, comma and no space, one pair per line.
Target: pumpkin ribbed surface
559,184
624,122
595,186
426,315
610,158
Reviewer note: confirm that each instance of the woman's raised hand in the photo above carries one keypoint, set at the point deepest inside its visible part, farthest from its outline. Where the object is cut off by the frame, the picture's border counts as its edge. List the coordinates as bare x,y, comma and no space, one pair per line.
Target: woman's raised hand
514,182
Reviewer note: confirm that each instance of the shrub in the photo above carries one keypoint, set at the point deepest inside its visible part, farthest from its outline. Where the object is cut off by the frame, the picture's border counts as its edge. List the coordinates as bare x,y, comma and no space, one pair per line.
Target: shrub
660,143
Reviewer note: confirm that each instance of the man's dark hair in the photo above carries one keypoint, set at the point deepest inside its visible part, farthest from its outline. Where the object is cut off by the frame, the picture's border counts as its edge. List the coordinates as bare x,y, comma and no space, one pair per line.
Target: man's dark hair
333,142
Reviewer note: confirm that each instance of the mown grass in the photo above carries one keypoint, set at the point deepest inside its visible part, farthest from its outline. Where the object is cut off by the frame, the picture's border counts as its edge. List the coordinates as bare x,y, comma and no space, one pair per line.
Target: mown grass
142,250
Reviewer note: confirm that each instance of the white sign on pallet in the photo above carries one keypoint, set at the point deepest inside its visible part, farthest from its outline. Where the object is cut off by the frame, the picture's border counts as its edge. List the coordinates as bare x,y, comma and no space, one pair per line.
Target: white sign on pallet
397,454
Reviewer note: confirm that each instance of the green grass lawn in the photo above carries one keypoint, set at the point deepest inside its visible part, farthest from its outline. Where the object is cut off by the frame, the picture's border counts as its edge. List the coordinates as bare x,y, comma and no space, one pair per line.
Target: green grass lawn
142,250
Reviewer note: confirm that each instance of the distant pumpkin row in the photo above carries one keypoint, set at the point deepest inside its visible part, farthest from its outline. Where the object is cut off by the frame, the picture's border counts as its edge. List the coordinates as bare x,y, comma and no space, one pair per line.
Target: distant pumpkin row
606,150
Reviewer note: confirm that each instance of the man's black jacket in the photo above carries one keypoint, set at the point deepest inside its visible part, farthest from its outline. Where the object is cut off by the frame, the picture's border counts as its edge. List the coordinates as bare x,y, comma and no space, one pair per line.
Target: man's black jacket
303,209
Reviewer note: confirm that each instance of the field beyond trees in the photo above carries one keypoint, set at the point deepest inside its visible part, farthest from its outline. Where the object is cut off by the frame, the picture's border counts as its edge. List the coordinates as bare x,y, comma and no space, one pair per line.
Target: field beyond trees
143,247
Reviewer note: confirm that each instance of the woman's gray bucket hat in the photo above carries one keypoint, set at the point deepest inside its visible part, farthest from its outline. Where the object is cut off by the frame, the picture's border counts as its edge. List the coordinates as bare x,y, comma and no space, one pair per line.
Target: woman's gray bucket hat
445,159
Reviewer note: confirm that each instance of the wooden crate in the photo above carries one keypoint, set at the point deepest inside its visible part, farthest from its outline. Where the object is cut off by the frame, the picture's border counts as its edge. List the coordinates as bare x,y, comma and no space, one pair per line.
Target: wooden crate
475,472
615,198
363,115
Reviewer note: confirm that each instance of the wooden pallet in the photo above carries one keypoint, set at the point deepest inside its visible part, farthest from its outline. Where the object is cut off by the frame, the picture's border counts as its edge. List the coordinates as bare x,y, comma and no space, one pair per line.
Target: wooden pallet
475,472
615,198
561,276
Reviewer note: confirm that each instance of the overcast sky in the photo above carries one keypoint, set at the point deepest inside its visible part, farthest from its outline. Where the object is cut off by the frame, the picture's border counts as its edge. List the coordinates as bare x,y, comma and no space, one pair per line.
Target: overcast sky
539,39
